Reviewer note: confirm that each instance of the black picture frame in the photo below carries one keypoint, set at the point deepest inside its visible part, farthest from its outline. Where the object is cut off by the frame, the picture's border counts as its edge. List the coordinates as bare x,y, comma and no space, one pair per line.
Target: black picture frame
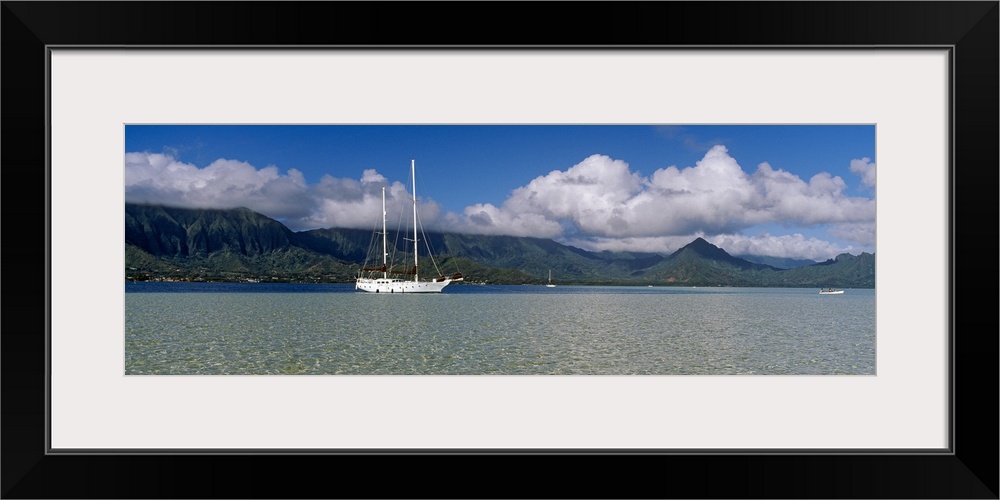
970,29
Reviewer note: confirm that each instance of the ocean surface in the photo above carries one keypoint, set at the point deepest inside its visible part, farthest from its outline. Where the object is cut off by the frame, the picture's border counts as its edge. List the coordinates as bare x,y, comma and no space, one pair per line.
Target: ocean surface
330,329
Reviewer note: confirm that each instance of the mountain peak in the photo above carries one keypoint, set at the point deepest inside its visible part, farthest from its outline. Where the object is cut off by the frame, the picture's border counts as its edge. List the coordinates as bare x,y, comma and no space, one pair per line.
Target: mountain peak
703,247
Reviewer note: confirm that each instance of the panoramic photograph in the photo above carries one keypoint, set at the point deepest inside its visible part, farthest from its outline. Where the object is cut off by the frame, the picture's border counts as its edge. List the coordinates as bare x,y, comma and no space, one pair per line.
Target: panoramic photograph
500,249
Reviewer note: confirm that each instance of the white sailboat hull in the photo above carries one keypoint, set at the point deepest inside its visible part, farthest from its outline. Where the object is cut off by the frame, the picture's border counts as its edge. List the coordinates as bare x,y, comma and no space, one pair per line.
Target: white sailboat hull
382,285
835,292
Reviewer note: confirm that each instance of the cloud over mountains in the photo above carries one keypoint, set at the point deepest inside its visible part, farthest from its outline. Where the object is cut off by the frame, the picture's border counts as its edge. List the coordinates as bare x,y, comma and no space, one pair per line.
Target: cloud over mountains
598,204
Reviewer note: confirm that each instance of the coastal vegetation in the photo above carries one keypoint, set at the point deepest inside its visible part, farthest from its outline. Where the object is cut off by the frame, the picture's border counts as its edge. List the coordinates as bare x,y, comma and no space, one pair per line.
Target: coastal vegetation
174,244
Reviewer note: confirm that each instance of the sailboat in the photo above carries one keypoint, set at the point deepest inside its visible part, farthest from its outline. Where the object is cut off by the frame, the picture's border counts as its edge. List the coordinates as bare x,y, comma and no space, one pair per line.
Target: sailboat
550,285
386,280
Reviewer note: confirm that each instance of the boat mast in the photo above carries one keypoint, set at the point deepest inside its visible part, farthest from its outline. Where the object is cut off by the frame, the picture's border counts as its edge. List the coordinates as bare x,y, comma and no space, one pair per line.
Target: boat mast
413,173
385,241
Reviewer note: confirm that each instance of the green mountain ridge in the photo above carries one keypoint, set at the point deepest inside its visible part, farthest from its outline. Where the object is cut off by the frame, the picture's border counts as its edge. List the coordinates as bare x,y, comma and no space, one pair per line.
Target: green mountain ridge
778,262
242,245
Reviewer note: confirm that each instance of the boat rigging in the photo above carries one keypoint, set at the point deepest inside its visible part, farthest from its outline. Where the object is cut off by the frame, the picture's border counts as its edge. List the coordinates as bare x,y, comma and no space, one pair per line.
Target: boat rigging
368,279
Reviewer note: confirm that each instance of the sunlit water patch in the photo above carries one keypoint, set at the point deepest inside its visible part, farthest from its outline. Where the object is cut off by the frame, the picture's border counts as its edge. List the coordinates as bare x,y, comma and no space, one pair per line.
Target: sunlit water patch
274,329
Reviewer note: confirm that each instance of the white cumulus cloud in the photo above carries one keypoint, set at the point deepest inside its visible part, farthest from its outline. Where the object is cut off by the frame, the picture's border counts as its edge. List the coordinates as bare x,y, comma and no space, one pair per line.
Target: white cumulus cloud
160,179
865,169
598,204
608,206
332,202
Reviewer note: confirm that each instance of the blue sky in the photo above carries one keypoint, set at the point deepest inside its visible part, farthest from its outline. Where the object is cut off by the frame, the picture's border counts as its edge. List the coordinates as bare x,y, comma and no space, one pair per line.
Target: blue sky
801,191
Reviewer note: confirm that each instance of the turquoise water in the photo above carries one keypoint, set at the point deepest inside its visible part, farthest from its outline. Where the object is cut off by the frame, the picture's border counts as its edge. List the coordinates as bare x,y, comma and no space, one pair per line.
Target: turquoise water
315,329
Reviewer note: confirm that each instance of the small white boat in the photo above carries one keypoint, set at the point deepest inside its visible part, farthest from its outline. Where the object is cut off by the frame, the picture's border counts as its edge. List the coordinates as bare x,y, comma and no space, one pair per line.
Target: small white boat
550,285
830,291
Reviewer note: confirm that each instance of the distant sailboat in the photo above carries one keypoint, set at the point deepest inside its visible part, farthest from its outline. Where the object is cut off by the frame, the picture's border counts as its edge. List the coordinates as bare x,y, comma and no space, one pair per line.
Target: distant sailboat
550,285
381,279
